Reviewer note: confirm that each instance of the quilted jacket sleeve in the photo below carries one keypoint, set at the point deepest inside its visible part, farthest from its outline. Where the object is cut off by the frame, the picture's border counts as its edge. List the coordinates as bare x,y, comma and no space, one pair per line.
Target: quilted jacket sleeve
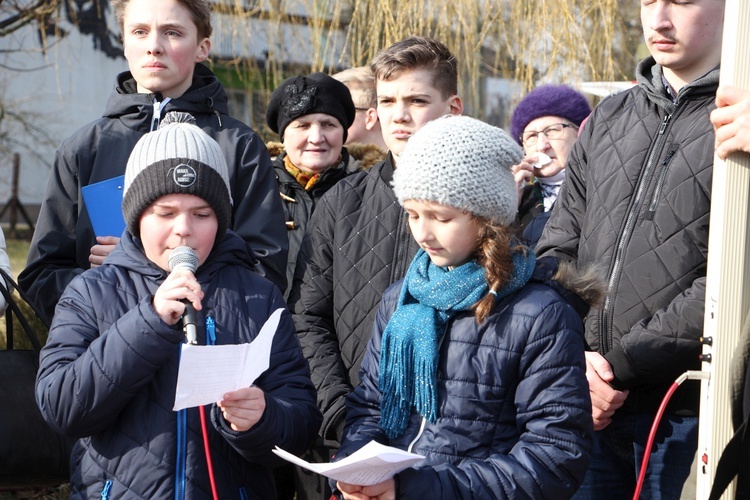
313,310
291,419
658,349
257,213
52,261
561,234
85,378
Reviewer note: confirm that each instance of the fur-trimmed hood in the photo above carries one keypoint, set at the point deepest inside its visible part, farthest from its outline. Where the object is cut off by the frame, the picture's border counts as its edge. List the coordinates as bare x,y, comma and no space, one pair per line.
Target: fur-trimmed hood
366,155
582,288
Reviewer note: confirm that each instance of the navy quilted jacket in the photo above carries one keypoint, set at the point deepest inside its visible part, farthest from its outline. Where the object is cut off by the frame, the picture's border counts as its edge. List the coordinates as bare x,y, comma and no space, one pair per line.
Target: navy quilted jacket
359,244
108,375
514,416
636,202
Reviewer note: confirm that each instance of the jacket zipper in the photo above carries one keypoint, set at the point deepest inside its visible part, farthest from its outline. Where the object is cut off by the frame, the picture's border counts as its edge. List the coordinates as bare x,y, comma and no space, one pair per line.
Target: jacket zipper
419,435
179,490
158,107
606,320
402,244
660,182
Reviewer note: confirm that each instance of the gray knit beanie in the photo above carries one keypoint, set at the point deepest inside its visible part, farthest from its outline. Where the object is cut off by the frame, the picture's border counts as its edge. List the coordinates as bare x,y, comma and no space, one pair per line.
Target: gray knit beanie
463,163
179,157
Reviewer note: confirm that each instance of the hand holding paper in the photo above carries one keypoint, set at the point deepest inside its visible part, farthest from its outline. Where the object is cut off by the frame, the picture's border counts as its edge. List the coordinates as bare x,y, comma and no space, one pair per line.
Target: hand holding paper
371,464
206,373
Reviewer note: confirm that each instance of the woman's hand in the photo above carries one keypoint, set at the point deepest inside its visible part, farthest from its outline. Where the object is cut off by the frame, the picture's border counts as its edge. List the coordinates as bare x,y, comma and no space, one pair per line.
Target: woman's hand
524,174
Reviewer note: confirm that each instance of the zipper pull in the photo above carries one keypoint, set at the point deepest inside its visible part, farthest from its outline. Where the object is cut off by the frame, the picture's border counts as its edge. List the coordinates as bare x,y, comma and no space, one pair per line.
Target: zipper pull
664,123
105,490
210,328
158,106
669,156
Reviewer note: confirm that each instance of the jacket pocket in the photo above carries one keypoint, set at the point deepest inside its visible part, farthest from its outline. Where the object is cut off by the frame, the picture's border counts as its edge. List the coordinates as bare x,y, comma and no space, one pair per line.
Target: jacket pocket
660,181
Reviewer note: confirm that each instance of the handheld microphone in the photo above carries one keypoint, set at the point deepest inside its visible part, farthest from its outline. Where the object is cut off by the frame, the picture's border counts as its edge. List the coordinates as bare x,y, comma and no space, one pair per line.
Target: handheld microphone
185,258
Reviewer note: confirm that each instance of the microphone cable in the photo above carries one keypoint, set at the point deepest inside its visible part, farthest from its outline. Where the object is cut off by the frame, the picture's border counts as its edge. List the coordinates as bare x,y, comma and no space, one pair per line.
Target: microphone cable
210,340
688,375
206,447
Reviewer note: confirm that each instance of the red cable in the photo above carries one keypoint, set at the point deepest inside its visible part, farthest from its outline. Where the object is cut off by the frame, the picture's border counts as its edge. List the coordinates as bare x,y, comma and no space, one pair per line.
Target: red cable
204,429
651,437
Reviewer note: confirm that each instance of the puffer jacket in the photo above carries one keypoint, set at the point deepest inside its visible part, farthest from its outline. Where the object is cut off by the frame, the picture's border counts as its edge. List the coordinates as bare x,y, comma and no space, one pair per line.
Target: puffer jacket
299,203
636,203
99,151
108,375
514,409
359,245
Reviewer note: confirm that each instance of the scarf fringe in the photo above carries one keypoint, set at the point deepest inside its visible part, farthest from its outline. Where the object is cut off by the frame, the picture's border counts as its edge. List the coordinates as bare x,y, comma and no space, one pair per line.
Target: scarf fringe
419,387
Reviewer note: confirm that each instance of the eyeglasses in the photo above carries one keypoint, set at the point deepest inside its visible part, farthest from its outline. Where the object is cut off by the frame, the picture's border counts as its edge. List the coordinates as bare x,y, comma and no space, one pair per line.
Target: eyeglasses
360,109
556,131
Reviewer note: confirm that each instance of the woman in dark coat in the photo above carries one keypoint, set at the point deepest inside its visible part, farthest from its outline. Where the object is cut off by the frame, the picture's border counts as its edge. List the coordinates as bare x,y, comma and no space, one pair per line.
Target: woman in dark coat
311,114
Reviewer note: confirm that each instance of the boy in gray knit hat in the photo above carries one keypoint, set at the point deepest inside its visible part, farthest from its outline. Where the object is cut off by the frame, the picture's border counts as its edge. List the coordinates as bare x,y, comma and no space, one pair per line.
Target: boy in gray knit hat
178,158
108,372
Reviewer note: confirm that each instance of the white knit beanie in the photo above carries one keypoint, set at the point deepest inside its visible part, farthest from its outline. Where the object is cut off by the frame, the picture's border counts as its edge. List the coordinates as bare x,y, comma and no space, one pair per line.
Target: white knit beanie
463,163
179,157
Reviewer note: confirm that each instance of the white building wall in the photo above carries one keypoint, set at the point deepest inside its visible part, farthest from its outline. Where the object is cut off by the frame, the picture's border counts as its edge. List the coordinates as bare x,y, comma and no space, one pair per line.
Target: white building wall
59,91
68,86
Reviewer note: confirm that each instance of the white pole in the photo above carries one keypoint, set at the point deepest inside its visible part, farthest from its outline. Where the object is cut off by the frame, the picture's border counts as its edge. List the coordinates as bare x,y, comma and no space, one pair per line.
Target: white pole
728,268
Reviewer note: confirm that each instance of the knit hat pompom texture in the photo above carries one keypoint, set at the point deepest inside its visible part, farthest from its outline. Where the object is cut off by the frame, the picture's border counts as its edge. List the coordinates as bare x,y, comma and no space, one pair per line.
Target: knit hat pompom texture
549,100
304,95
463,163
178,157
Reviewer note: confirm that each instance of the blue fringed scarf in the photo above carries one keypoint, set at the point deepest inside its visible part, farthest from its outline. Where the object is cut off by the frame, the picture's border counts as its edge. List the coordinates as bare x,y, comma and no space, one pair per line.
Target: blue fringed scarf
430,297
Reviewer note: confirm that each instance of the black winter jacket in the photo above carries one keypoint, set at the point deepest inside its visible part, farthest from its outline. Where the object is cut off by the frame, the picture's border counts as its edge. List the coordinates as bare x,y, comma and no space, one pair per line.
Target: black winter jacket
108,374
514,409
98,151
531,217
636,203
299,204
359,245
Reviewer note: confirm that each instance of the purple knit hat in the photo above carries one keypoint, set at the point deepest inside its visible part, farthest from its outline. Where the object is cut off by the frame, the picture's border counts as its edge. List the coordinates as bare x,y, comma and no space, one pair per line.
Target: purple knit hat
549,100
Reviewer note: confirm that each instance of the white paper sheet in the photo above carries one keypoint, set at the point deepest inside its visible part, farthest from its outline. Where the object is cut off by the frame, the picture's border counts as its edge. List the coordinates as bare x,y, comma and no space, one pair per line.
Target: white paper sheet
371,464
207,372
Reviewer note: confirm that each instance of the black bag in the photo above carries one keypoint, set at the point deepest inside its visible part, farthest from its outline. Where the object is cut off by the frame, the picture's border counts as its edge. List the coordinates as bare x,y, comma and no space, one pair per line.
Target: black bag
31,454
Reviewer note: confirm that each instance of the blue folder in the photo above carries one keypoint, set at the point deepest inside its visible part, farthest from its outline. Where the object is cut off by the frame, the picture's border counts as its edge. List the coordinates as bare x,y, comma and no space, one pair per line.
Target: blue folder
104,204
